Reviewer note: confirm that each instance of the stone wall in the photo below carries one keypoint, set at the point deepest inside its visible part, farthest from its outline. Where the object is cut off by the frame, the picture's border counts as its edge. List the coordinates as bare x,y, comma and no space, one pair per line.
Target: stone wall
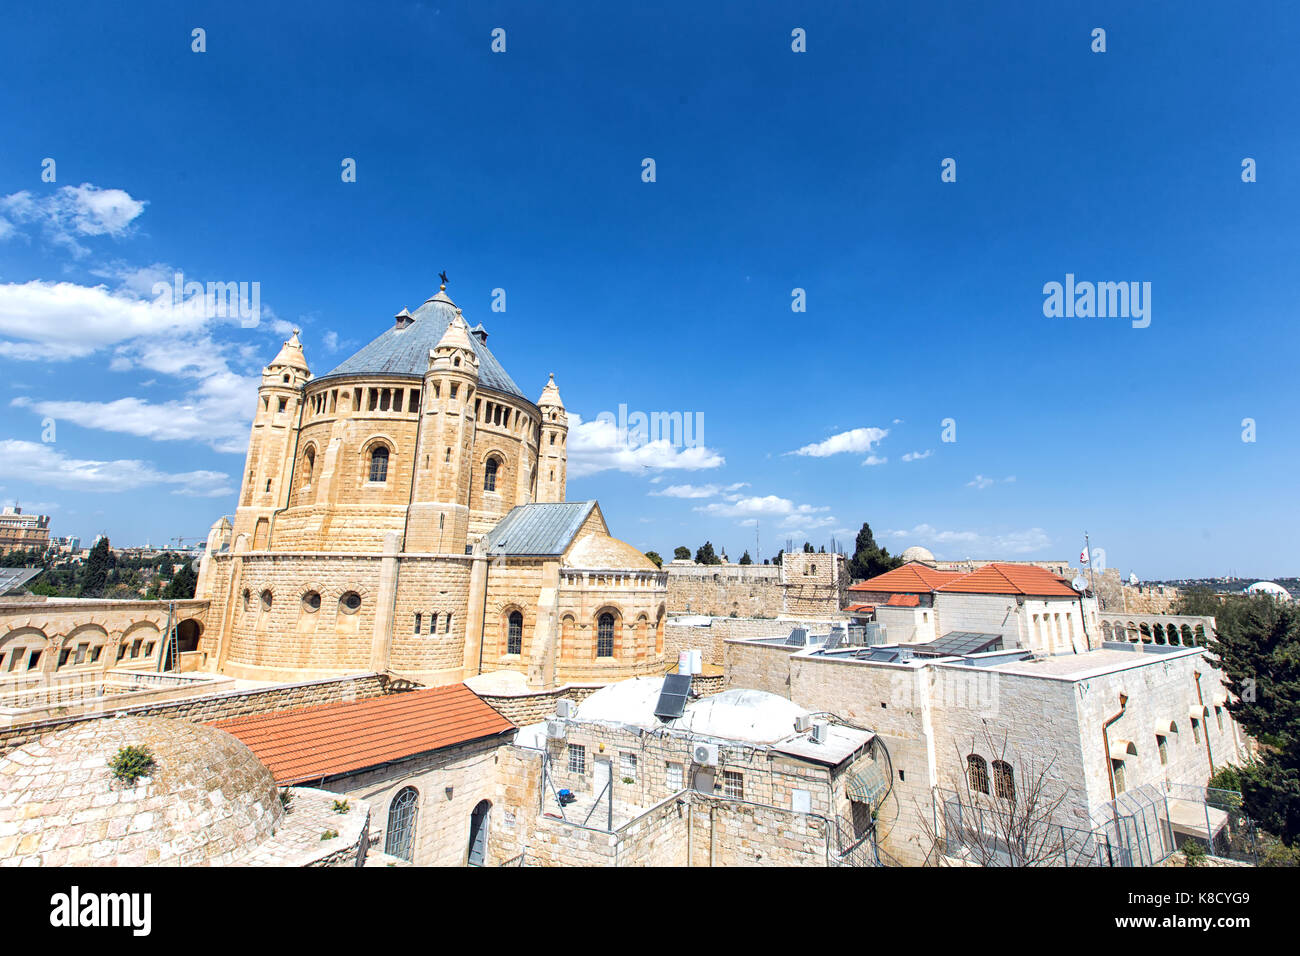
746,590
239,703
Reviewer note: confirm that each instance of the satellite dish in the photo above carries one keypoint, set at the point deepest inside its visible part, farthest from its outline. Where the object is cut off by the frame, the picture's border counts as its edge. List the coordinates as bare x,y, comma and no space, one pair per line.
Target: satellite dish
1079,583
1132,578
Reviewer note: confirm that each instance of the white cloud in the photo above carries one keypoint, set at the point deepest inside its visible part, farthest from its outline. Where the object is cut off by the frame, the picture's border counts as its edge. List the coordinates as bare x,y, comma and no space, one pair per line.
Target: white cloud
43,465
597,446
979,482
974,544
70,212
854,440
701,491
874,460
789,515
918,455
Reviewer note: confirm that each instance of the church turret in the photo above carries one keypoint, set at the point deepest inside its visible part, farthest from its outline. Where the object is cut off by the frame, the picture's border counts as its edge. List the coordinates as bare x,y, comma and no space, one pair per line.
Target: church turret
552,454
265,485
439,512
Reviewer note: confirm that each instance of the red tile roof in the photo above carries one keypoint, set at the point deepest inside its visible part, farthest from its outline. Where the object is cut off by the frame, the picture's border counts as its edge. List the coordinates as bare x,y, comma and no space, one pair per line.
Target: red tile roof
911,578
316,742
860,608
1024,579
904,600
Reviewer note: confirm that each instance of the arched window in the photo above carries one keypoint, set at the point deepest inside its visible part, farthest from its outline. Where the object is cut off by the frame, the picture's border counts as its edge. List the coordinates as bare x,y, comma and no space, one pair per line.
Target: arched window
400,839
379,464
490,475
605,635
308,465
977,773
515,638
1004,781
478,833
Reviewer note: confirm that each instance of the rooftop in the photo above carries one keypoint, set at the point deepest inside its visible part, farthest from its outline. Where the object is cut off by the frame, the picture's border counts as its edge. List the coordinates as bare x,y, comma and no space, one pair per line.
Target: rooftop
405,351
913,578
999,578
539,529
331,739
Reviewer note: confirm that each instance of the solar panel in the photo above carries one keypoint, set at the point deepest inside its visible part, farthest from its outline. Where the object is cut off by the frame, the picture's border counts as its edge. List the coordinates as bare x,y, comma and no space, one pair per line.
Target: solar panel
673,697
833,641
13,578
798,638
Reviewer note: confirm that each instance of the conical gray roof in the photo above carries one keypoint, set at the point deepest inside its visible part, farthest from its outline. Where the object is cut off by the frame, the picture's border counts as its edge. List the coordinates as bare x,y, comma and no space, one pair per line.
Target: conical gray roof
406,351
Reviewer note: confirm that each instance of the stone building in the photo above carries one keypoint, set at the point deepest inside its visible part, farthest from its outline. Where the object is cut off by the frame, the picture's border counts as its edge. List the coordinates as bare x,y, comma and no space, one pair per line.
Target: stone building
425,760
23,532
741,778
406,513
802,585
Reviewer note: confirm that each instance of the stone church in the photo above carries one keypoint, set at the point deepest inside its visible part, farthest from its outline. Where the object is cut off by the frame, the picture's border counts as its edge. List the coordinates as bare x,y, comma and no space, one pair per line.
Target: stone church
405,513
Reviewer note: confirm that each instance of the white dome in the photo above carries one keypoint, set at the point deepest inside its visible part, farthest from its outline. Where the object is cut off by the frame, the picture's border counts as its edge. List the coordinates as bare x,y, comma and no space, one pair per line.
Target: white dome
627,702
917,553
1271,589
752,715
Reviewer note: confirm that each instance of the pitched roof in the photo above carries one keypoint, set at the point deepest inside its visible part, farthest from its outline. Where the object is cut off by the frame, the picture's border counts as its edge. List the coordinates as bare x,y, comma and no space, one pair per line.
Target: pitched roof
912,578
903,600
331,739
998,578
545,528
405,351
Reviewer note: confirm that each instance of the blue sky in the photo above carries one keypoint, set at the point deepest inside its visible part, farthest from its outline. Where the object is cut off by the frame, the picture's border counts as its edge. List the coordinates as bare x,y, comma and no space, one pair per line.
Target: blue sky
775,170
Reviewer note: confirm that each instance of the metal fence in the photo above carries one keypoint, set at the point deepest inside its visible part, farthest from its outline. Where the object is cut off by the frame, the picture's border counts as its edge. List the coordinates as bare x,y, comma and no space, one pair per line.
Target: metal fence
1142,827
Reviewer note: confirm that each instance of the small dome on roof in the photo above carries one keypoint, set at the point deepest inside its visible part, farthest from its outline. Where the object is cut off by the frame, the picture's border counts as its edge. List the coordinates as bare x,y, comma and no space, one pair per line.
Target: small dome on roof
1271,589
627,702
207,799
752,715
291,355
918,553
598,552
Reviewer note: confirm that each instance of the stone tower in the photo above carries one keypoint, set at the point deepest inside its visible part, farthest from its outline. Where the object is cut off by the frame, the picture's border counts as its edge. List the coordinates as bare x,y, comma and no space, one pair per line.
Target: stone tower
265,486
438,518
552,455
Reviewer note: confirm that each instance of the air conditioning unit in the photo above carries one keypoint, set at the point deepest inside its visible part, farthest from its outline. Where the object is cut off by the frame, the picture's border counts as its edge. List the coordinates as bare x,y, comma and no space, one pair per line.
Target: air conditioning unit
706,755
803,723
820,733
565,708
555,729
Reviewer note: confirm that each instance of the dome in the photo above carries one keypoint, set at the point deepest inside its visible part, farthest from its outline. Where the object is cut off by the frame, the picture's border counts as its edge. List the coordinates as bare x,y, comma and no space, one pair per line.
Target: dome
207,801
627,702
918,553
404,351
1272,590
752,715
598,552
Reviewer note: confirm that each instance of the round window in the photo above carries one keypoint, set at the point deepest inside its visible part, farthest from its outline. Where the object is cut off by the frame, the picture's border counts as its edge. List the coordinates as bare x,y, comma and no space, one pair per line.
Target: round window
350,602
311,601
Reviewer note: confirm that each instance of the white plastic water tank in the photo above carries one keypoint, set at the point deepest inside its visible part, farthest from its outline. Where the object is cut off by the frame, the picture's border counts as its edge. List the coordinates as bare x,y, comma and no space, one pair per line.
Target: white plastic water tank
697,661
684,662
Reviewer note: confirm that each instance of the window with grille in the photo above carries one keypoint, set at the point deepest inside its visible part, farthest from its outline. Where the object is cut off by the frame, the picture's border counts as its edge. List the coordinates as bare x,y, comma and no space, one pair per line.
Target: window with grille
733,785
605,636
627,763
379,464
1004,781
515,636
675,778
977,773
490,475
577,758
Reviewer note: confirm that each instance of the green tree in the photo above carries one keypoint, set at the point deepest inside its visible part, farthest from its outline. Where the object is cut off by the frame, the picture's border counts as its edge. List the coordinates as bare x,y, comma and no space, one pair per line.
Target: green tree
1258,648
869,559
705,554
808,548
746,559
681,553
182,585
777,557
654,556
94,580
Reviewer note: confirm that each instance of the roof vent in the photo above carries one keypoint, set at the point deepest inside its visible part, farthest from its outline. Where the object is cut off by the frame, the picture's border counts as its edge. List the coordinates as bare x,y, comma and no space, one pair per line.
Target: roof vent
403,319
479,333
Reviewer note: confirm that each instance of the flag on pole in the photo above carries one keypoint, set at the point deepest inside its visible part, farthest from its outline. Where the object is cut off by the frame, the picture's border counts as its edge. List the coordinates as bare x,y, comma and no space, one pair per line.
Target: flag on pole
1083,554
